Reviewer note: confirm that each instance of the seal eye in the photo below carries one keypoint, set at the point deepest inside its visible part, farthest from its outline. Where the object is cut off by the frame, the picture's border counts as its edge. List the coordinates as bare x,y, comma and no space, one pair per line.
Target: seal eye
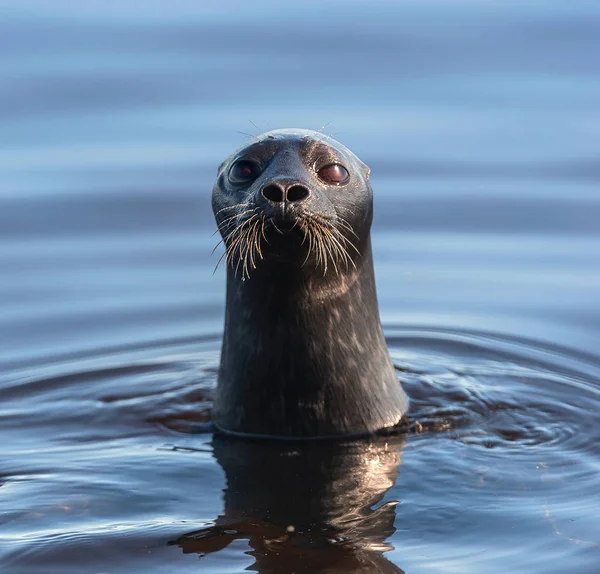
334,174
244,171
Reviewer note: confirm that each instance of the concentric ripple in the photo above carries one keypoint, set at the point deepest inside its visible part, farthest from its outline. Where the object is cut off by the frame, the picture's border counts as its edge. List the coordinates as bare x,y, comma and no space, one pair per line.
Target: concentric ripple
502,436
492,392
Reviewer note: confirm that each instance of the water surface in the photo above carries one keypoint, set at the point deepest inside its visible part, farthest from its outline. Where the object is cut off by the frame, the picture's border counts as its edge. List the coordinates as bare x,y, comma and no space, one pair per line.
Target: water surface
480,124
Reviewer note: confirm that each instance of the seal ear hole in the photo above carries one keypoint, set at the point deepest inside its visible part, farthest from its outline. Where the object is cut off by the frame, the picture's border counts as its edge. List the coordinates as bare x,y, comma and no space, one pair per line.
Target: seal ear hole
334,174
273,193
297,193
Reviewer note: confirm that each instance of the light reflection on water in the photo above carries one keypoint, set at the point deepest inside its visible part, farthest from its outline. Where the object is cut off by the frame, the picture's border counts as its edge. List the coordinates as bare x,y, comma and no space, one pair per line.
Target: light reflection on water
480,123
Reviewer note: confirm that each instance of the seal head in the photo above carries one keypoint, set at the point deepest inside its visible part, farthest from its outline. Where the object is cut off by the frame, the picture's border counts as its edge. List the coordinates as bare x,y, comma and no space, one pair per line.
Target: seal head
303,350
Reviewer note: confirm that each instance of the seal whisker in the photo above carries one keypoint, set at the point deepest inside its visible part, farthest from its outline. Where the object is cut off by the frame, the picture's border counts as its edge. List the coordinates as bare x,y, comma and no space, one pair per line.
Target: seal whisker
227,253
216,246
321,134
251,247
239,259
342,252
310,233
238,242
223,228
259,130
329,247
342,237
249,252
322,259
245,272
236,216
236,234
315,242
231,228
341,249
324,248
227,222
245,252
342,240
256,241
302,225
232,207
306,231
337,252
323,127
219,262
249,135
234,226
239,231
264,235
311,239
275,226
337,241
347,226
348,242
257,237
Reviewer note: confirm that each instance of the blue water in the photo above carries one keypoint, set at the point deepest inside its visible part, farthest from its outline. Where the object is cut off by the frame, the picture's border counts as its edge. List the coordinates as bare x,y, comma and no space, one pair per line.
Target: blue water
481,124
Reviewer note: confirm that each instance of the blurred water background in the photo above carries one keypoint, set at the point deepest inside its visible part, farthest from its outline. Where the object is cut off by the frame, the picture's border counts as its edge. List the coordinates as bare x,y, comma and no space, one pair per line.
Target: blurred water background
481,124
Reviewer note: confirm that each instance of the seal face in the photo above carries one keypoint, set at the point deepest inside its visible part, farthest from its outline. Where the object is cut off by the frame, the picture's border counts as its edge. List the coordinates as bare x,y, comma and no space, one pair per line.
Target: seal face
303,351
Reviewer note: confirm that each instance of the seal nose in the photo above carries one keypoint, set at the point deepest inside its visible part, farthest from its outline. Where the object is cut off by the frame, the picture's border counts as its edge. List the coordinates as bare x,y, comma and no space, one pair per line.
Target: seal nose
276,194
297,193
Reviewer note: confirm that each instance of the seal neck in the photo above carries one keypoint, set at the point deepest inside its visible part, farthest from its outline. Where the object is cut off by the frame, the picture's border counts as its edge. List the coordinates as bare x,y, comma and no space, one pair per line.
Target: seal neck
304,355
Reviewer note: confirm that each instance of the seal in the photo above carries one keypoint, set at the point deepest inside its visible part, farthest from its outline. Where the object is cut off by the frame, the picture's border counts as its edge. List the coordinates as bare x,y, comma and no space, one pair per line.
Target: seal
303,351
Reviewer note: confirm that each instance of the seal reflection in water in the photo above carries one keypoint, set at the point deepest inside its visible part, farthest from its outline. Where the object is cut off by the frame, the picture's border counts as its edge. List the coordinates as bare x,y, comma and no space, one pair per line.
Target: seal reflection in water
303,350
314,514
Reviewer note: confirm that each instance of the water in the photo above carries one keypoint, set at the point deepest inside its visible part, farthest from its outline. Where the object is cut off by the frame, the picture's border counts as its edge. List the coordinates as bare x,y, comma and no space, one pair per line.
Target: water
480,123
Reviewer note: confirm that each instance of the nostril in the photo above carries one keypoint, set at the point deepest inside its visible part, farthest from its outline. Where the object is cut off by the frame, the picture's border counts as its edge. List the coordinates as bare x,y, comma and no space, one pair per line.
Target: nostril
273,193
297,193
